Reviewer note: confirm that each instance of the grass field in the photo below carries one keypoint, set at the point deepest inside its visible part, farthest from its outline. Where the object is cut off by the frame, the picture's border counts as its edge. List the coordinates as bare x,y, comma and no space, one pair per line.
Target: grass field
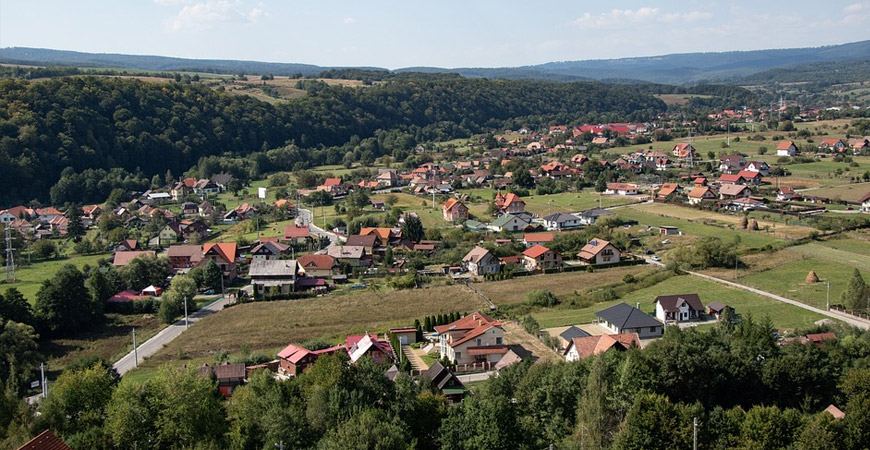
269,326
751,239
30,277
571,202
783,316
561,284
849,192
788,280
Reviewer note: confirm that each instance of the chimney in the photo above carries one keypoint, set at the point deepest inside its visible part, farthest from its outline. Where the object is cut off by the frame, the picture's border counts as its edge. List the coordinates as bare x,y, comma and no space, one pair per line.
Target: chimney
638,305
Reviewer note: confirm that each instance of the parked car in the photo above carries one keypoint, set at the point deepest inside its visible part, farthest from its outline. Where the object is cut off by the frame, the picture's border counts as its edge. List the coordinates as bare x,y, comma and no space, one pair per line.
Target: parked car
655,258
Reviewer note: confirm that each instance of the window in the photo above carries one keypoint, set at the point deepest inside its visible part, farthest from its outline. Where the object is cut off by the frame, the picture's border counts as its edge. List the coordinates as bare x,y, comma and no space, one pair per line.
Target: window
478,342
498,341
458,356
652,329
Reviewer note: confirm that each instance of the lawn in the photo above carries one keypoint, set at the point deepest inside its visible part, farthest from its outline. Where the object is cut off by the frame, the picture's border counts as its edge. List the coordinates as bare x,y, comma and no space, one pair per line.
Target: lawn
751,239
783,316
571,202
269,326
30,277
788,280
561,284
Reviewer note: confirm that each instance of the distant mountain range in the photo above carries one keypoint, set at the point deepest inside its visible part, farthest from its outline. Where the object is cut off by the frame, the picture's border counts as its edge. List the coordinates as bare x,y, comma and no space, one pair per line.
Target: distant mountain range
684,68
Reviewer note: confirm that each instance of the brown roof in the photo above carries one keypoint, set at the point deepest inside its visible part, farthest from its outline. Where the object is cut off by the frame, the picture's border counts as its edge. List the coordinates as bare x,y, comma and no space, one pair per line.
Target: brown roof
45,441
668,189
593,248
475,255
223,371
732,189
835,412
784,145
226,250
595,345
673,302
124,258
538,237
449,204
181,251
699,192
320,262
362,241
536,251
293,232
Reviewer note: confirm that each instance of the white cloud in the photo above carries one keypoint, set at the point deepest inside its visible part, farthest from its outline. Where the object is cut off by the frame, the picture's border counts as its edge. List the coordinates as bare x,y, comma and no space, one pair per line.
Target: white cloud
349,20
638,16
857,13
203,15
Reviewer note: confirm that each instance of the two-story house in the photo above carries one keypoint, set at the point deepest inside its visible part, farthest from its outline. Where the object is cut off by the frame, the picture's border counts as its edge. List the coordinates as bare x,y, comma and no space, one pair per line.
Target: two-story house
481,261
475,338
599,251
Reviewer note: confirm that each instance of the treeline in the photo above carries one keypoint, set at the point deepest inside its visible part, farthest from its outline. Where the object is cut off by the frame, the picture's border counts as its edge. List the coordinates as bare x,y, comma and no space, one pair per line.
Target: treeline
147,128
745,391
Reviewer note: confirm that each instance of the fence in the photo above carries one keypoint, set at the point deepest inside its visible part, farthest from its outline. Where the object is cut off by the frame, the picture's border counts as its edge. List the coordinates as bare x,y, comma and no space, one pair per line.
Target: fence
843,310
480,294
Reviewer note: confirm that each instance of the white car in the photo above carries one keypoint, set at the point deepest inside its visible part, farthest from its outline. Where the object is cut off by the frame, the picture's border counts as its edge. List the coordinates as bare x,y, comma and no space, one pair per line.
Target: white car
666,241
655,258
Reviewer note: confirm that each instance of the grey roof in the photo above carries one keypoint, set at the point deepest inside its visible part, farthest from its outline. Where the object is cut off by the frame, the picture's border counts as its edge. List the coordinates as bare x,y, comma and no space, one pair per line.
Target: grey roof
505,219
595,212
623,315
346,251
673,302
269,268
573,332
560,217
717,306
274,248
441,377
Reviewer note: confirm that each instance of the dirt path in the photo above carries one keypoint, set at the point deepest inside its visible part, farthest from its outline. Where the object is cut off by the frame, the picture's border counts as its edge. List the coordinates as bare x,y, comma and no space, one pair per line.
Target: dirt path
515,334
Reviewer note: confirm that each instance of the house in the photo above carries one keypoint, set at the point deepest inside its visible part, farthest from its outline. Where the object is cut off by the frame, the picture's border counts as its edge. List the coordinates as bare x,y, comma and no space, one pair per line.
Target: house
684,152
376,348
835,412
475,338
454,210
241,212
222,180
295,234
184,256
481,261
732,163
293,360
727,178
599,251
368,243
445,382
579,159
224,254
127,296
565,337
733,191
701,194
786,148
15,213
859,144
405,335
270,250
206,187
583,347
749,177
718,309
624,318
621,189
384,236
350,255
189,209
92,211
539,257
318,266
170,233
45,441
228,376
127,245
667,190
281,274
758,166
121,259
388,179
602,141
509,203
532,239
509,222
589,216
48,214
678,308
865,203
205,209
561,221
785,193
832,144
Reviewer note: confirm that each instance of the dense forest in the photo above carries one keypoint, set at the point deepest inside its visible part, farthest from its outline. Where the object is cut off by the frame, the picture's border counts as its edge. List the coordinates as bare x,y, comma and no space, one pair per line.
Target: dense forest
745,391
81,123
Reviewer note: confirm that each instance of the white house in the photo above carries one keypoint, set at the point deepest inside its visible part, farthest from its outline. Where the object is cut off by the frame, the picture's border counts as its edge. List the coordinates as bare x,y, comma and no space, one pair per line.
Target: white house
678,308
865,203
624,318
758,166
621,189
589,216
785,193
786,148
599,251
475,338
560,221
508,222
480,261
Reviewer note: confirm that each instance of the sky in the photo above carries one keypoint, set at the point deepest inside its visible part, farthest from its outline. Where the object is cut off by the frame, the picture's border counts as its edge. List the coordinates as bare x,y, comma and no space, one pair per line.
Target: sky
443,33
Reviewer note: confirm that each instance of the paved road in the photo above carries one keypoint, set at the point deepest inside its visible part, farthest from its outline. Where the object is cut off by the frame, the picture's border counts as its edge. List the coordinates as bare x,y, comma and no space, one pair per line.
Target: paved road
151,346
854,321
305,216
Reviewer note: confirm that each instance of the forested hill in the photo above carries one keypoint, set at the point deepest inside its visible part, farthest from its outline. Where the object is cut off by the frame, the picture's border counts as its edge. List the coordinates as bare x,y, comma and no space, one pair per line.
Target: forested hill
79,123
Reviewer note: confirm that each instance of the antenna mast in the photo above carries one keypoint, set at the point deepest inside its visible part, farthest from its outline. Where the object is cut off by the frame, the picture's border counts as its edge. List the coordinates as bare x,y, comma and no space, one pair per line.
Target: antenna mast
10,263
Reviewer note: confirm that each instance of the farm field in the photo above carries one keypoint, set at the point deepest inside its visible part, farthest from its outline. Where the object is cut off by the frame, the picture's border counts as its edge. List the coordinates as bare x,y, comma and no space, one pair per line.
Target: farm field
572,202
750,239
848,192
269,326
561,284
30,277
783,316
788,280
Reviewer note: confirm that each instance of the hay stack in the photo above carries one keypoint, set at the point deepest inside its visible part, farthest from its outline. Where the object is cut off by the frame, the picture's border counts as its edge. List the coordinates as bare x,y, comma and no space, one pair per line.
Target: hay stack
812,277
753,225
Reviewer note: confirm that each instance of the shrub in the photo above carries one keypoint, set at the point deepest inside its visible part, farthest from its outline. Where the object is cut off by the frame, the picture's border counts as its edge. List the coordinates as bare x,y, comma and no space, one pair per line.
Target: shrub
542,297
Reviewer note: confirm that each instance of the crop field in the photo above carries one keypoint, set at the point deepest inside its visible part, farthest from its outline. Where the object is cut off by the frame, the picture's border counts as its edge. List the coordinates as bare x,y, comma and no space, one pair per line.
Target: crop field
783,316
30,277
269,326
561,284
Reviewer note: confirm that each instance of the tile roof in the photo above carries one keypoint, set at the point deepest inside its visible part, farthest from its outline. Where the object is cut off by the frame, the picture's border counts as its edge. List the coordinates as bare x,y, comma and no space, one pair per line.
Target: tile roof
784,145
45,441
123,258
229,251
317,262
294,232
475,255
673,302
536,251
595,345
623,315
356,240
593,248
538,237
223,371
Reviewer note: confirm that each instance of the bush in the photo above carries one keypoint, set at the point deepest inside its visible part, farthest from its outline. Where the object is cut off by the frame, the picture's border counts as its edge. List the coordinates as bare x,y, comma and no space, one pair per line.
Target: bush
541,297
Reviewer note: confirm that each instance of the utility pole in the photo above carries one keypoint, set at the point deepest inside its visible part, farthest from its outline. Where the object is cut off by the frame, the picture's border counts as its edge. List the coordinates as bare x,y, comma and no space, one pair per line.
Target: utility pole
10,262
186,323
694,433
135,349
42,379
828,298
